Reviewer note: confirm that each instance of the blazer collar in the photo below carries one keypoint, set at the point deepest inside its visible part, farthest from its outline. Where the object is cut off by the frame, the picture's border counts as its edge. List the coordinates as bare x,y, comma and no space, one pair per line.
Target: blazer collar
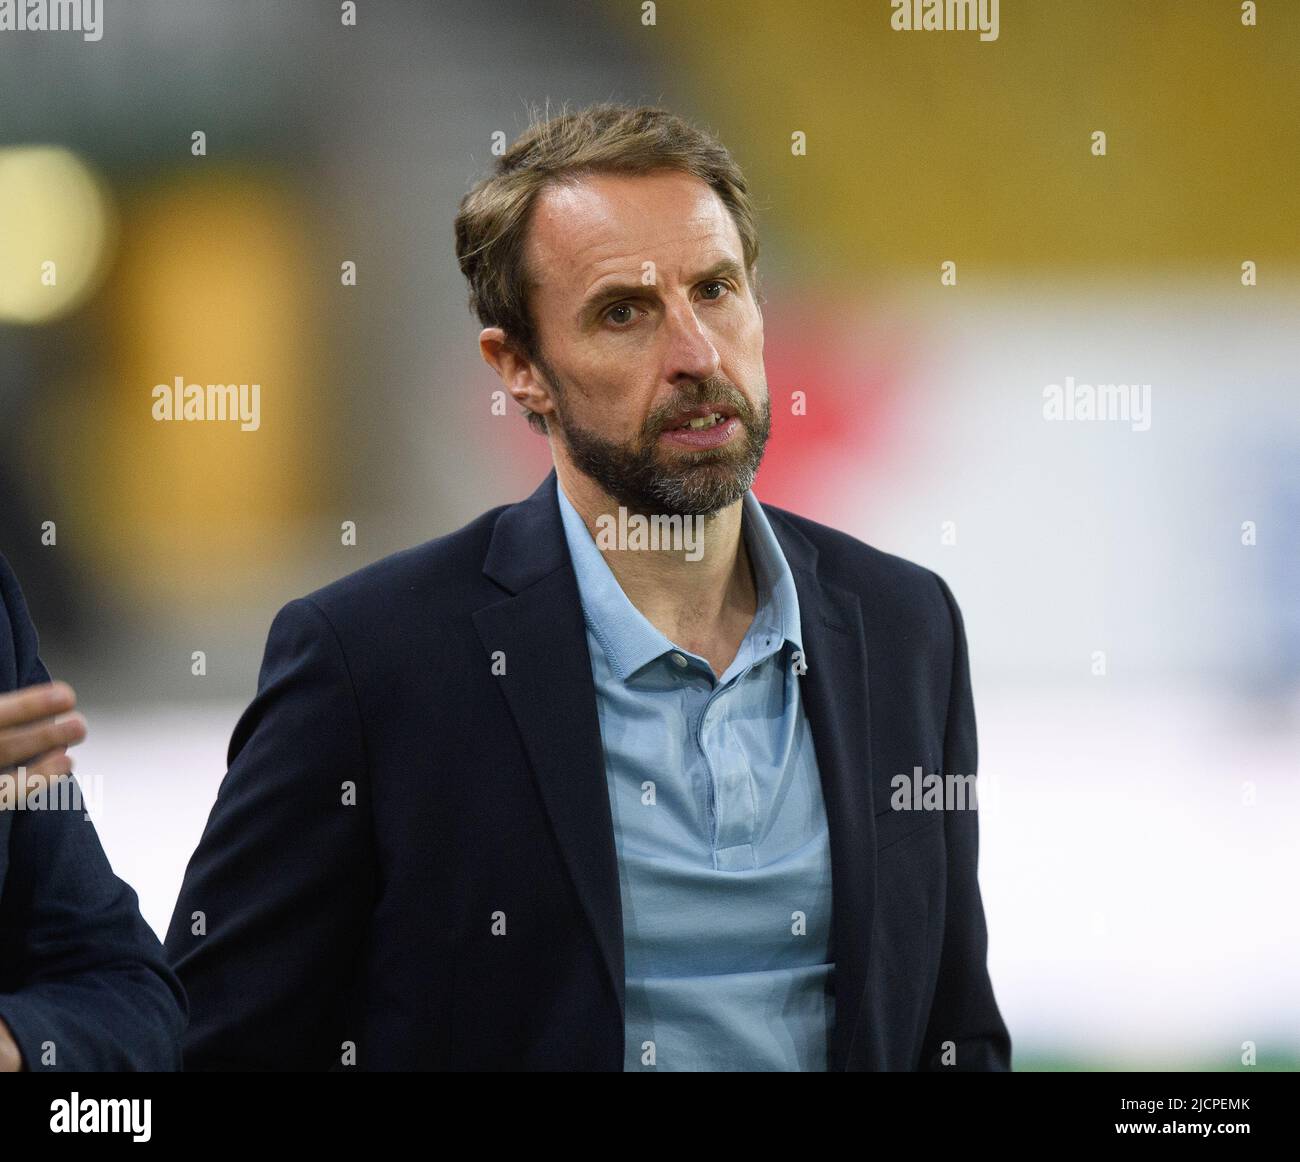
547,682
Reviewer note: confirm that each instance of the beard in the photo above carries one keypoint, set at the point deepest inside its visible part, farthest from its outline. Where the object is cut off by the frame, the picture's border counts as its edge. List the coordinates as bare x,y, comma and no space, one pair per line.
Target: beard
649,479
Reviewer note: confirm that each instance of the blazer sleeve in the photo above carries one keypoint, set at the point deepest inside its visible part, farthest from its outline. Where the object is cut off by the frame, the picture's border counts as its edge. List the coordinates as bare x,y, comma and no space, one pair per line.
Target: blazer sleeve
270,923
965,1032
84,984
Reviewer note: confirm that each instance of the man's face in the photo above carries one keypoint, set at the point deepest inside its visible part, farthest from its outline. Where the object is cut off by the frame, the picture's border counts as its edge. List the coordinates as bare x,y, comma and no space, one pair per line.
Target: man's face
643,310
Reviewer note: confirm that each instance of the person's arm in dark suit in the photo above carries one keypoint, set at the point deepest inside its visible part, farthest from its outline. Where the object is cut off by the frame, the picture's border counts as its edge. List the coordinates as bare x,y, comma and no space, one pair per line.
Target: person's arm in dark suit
279,894
965,1032
83,981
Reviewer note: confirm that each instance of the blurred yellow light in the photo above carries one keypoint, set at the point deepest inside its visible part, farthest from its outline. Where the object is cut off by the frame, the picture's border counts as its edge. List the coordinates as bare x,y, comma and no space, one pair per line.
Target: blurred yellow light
54,228
214,281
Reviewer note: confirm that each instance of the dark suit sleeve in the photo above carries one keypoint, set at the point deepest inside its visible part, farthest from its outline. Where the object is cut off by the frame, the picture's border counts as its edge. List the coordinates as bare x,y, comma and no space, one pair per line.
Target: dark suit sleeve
83,981
278,895
965,1032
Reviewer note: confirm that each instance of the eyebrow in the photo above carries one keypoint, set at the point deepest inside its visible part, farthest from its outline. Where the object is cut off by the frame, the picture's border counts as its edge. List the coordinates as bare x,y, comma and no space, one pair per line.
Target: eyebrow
612,292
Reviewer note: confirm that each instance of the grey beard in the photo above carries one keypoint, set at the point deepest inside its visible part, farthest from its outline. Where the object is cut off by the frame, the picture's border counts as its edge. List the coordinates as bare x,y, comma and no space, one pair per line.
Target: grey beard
712,481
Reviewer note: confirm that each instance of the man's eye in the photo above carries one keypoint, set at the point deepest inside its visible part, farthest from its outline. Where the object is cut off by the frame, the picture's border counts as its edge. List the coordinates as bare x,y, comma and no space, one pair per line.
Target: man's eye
619,307
717,283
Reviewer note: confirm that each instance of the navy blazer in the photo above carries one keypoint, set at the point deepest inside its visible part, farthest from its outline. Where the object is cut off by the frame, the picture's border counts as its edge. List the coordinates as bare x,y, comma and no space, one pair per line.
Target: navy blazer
83,981
423,757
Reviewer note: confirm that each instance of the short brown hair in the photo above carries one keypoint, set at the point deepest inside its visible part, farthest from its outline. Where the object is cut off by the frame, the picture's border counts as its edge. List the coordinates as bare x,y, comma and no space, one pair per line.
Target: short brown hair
492,223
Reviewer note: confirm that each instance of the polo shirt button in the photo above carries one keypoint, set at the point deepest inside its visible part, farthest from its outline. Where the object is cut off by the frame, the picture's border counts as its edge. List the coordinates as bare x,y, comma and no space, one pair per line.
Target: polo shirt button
681,661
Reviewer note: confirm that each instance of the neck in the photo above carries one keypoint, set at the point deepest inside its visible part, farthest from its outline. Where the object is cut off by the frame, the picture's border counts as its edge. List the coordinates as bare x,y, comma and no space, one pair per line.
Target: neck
696,594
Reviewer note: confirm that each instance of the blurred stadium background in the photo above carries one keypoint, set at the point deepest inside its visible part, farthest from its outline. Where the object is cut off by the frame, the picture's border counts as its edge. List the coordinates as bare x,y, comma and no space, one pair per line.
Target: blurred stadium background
1139,829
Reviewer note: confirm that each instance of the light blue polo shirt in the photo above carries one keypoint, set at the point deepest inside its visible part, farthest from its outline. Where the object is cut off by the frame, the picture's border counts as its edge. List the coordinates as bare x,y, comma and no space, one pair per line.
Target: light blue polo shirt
723,849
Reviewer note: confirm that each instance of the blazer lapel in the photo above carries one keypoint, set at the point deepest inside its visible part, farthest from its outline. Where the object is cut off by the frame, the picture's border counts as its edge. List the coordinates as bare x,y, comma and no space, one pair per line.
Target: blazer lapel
549,688
835,697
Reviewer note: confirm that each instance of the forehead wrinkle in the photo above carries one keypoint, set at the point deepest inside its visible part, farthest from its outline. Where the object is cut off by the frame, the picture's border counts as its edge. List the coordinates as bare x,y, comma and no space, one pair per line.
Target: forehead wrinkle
624,267
706,223
694,241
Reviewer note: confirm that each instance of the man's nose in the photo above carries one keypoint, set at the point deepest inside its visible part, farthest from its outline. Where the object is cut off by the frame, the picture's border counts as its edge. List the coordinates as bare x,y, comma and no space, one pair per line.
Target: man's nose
691,353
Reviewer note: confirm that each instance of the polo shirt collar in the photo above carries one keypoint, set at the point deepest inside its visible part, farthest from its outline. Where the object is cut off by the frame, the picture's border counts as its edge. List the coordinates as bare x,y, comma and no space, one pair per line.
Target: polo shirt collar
629,639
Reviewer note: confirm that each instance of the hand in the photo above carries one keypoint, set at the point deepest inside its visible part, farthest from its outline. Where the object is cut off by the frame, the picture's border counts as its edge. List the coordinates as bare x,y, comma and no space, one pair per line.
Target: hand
31,737
11,1060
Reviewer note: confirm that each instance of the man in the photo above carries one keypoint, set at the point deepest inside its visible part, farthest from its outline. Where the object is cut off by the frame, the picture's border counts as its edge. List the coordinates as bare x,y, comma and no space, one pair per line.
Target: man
83,981
523,799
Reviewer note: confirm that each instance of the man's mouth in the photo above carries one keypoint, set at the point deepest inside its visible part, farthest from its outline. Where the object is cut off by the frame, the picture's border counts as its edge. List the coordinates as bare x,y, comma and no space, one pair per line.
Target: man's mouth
698,419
